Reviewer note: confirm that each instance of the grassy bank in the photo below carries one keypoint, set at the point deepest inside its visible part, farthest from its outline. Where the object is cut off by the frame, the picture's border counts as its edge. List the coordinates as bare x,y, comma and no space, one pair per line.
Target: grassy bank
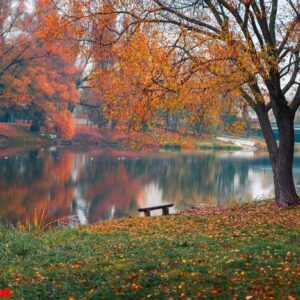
19,135
241,252
155,140
213,144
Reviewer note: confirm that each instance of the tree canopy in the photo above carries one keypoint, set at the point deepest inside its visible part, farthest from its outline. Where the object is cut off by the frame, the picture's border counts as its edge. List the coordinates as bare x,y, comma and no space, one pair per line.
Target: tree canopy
36,77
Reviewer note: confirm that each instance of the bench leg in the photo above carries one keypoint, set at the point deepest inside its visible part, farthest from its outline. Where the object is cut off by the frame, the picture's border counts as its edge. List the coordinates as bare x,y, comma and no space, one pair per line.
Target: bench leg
147,213
165,211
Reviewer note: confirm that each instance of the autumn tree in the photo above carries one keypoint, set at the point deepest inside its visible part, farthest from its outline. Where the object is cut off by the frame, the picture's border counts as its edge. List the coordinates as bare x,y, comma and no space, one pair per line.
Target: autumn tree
14,43
38,79
90,43
44,88
260,43
144,89
13,37
248,49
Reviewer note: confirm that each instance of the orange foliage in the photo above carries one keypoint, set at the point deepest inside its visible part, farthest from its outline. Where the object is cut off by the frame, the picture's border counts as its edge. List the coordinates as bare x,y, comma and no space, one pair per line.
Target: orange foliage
65,124
143,87
37,76
143,81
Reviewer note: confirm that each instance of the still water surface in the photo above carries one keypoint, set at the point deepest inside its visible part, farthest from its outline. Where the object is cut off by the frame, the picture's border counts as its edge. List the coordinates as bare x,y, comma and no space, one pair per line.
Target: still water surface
98,185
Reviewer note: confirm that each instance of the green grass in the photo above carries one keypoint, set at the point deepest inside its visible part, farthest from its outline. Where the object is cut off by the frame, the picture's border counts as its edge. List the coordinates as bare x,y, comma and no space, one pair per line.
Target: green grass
210,144
217,145
245,251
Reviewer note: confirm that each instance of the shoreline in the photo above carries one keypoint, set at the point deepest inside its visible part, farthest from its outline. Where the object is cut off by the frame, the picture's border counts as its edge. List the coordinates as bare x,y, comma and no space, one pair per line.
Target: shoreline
18,136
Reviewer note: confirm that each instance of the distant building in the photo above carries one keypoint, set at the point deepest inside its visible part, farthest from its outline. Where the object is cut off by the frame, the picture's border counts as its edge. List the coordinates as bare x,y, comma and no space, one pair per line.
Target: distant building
81,116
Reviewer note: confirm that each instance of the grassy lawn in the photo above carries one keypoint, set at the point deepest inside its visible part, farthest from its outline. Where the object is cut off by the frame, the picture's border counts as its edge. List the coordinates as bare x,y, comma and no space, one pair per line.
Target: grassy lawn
248,251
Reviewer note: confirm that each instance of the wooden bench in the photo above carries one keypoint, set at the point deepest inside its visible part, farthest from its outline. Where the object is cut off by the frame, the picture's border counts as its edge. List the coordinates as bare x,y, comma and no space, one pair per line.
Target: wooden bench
165,209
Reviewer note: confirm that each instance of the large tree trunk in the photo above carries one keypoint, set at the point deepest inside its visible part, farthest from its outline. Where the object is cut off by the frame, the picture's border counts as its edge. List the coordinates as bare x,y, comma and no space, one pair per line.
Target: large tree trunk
281,155
285,191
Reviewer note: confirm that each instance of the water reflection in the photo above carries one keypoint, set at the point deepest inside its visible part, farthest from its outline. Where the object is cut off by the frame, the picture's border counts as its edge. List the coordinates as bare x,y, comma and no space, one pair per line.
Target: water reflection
106,185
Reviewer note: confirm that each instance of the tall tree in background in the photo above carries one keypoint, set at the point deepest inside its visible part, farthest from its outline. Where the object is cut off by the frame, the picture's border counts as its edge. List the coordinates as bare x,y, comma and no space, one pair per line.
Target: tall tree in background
14,44
91,44
36,78
13,37
250,48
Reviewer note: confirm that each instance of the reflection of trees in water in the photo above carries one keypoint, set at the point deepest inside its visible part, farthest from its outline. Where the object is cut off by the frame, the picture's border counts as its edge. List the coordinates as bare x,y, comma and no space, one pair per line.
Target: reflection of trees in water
188,180
185,180
233,177
35,183
107,186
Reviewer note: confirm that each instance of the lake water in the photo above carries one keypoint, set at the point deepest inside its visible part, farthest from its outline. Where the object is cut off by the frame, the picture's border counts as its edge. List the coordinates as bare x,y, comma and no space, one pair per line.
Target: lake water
105,184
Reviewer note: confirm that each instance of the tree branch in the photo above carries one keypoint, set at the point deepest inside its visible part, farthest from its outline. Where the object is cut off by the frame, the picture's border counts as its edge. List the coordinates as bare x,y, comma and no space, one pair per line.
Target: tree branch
296,101
294,75
273,19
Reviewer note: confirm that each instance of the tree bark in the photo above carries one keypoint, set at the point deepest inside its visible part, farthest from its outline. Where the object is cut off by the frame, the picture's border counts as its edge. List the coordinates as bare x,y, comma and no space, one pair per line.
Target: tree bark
281,155
285,191
35,125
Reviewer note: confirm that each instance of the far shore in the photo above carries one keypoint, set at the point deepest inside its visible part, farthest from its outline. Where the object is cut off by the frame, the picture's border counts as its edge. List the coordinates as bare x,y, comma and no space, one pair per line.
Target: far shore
16,138
20,138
